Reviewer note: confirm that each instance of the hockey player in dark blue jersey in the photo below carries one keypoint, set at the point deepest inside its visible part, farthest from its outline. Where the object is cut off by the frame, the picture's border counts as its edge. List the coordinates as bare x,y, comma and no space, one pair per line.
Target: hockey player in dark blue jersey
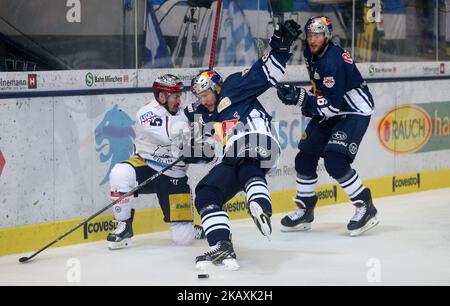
232,111
341,106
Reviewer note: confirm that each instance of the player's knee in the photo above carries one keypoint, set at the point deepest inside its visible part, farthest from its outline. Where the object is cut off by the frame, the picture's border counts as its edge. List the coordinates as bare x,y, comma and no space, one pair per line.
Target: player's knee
336,164
306,164
122,178
182,233
250,169
208,197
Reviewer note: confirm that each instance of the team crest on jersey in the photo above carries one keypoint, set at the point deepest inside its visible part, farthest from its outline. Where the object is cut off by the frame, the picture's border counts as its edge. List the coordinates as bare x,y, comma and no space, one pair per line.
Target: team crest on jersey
347,57
329,82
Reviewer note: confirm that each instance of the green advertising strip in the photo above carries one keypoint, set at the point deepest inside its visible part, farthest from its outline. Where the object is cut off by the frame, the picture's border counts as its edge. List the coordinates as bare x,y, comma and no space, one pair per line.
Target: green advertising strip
439,113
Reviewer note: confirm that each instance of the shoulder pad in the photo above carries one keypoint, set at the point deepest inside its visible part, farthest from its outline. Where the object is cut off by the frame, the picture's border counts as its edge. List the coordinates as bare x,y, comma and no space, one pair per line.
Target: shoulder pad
224,103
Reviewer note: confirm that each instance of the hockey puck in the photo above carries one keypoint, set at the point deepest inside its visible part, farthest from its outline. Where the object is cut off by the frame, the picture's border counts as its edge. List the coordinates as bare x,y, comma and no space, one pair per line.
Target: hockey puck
203,275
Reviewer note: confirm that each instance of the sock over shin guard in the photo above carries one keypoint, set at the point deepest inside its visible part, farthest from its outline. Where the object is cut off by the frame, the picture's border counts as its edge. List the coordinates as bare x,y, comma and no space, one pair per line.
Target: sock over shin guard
252,179
122,179
215,220
306,183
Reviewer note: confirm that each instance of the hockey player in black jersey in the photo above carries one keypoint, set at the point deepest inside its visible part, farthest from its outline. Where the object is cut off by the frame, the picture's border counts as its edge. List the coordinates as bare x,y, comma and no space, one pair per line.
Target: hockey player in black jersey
341,106
250,147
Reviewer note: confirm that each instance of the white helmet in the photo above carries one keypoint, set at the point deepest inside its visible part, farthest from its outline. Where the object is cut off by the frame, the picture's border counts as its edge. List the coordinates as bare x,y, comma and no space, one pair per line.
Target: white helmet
319,24
207,79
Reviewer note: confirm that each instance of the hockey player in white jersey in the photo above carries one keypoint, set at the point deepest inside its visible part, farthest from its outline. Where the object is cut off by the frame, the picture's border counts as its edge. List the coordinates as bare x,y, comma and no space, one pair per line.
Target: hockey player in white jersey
156,124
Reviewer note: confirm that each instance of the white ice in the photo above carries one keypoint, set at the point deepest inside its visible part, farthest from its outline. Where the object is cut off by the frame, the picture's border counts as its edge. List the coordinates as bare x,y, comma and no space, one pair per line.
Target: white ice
411,246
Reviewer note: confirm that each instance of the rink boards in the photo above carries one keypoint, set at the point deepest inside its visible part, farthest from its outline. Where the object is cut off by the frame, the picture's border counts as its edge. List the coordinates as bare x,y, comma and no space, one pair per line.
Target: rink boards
61,133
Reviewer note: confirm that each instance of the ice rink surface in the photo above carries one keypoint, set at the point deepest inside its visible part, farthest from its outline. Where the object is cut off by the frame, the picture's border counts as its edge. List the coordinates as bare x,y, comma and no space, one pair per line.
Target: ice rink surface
410,246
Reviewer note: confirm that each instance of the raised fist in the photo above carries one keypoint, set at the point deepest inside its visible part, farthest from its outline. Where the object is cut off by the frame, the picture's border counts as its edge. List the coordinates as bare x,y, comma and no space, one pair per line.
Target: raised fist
284,35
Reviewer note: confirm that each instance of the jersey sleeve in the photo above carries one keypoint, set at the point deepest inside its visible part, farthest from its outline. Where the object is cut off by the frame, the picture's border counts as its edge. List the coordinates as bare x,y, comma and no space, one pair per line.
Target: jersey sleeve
329,102
248,85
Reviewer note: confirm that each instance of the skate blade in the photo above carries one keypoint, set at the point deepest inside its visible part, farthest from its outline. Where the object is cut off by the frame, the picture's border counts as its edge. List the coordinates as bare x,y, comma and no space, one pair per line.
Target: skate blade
298,228
229,264
204,266
256,211
370,224
126,243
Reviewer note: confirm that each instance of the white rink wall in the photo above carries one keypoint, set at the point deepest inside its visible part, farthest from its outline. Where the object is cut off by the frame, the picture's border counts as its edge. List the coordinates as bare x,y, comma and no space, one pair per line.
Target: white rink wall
60,139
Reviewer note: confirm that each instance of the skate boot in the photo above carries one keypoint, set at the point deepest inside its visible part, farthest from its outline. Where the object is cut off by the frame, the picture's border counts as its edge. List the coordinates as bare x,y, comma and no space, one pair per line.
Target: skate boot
364,219
261,218
120,238
220,254
199,233
299,220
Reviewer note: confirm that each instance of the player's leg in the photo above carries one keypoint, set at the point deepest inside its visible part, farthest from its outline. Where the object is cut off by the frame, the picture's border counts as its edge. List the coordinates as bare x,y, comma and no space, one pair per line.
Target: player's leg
252,180
311,147
175,199
339,155
213,191
122,180
252,155
306,198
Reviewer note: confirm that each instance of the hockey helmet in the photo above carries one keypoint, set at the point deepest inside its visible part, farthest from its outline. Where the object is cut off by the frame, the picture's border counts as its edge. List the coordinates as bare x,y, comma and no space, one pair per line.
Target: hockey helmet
207,79
167,83
319,24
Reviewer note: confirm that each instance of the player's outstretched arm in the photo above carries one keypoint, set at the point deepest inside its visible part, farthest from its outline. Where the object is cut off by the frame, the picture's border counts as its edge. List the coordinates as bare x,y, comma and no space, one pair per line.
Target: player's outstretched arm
268,70
326,105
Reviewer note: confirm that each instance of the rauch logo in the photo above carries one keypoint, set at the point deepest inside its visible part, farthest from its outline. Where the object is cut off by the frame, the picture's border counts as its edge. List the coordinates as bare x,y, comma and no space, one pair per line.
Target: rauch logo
405,129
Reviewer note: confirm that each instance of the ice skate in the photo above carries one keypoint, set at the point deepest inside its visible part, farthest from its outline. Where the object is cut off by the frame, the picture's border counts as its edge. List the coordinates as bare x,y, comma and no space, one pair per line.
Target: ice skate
199,233
261,218
220,254
364,219
120,238
299,220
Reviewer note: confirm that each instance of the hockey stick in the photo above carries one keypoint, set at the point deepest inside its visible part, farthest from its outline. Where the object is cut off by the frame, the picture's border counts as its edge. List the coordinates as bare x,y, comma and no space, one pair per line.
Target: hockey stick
272,14
129,193
215,34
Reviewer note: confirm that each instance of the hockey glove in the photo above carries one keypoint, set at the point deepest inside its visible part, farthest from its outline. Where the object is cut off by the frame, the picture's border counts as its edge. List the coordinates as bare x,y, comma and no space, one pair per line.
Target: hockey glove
190,111
291,95
284,35
200,3
198,152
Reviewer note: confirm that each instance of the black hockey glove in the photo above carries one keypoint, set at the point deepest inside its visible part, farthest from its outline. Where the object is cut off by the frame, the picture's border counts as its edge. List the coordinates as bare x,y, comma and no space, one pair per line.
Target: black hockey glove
291,95
200,3
190,111
284,35
198,152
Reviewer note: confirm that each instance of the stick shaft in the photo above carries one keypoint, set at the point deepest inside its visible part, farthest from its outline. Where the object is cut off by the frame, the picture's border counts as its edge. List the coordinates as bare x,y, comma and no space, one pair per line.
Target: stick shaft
129,193
215,34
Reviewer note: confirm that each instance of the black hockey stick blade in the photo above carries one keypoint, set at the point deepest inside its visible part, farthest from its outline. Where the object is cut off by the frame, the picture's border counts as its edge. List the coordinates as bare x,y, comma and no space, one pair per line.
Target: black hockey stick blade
24,259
